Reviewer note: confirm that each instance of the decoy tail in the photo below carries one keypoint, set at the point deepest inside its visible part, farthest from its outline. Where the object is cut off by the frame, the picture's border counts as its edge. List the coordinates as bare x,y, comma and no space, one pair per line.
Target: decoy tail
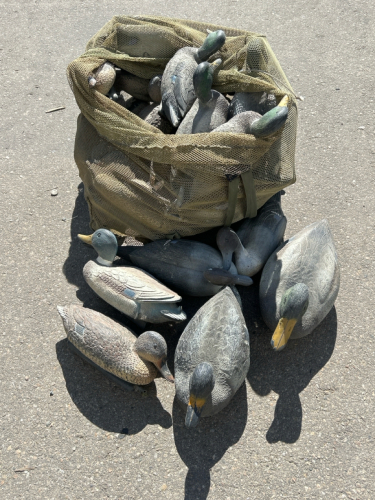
271,121
174,317
223,278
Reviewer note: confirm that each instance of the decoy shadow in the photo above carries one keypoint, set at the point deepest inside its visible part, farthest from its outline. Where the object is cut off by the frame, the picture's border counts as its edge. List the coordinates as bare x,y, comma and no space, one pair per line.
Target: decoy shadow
289,371
106,405
202,447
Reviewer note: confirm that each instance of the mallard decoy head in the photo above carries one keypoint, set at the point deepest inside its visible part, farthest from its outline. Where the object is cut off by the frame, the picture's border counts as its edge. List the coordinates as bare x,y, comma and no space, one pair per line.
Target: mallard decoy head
271,121
294,304
213,42
203,79
202,382
105,243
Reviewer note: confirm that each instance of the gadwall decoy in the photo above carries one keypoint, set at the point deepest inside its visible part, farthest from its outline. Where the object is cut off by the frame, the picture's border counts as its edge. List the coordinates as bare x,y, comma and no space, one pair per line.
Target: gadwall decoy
212,358
177,88
114,349
299,284
129,289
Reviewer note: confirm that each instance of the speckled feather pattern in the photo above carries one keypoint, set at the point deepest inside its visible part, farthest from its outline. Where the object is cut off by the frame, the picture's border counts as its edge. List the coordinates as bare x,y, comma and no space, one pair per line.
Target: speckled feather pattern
205,117
239,124
309,257
132,291
107,344
260,102
218,335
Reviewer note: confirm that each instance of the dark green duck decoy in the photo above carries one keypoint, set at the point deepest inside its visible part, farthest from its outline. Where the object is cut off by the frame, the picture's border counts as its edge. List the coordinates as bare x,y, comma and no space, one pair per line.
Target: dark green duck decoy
210,108
191,267
253,123
255,238
129,289
177,88
113,348
299,284
212,358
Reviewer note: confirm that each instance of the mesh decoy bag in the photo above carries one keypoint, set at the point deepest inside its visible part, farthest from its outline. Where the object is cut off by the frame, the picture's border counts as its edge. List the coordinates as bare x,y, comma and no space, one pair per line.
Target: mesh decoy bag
143,183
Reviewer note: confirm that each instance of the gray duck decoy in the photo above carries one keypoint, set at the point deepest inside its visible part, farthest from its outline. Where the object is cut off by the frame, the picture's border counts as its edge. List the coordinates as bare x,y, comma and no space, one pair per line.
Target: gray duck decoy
177,88
299,284
154,89
253,123
212,358
260,102
103,78
114,349
129,289
210,109
191,267
255,239
151,114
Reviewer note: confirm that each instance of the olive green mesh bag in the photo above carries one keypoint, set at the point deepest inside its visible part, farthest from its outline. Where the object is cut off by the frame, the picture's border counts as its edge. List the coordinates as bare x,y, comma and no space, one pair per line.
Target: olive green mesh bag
143,183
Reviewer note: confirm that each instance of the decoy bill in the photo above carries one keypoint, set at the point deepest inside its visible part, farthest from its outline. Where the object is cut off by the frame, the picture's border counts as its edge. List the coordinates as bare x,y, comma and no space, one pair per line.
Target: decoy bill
299,284
113,348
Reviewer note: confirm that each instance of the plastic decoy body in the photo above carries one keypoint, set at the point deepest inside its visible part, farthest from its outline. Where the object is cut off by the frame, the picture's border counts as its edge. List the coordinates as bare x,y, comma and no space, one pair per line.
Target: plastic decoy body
103,78
132,291
177,88
255,239
210,108
113,348
299,284
190,267
151,115
212,358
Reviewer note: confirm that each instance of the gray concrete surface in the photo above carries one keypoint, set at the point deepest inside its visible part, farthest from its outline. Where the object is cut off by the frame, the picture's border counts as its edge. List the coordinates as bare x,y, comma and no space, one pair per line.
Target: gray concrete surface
303,426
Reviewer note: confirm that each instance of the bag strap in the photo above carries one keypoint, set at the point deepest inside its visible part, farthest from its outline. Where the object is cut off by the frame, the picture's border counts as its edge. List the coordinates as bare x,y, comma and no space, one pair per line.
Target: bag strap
250,193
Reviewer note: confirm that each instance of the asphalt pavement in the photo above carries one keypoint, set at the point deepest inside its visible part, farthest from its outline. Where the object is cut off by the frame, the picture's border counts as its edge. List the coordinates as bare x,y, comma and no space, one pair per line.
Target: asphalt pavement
302,427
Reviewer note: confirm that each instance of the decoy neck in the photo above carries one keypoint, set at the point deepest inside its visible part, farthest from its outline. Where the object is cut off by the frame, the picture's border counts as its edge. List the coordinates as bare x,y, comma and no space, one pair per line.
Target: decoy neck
228,243
214,41
105,243
271,121
203,78
201,384
152,347
293,306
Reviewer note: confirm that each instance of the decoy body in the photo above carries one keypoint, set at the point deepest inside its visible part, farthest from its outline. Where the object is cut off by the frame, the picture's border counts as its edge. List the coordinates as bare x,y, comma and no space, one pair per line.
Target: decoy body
260,102
151,115
212,357
210,108
103,78
113,348
132,291
177,88
133,85
299,284
154,89
256,238
191,267
253,123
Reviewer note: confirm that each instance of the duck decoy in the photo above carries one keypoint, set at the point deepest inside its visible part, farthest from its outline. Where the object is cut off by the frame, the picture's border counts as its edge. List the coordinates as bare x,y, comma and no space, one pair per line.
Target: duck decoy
154,89
253,123
299,284
133,85
151,115
129,289
212,357
177,88
255,238
260,102
103,78
114,349
210,109
131,103
190,267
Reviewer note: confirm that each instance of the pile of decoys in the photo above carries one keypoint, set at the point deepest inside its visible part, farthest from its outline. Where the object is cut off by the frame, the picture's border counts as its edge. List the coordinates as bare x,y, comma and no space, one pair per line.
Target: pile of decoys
299,281
182,100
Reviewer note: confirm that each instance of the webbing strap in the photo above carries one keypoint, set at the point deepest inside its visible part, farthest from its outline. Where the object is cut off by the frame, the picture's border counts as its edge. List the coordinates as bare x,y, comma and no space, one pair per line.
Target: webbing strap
250,193
251,196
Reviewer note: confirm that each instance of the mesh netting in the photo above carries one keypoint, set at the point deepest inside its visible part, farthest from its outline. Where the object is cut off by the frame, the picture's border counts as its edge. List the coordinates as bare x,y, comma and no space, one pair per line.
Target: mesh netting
143,183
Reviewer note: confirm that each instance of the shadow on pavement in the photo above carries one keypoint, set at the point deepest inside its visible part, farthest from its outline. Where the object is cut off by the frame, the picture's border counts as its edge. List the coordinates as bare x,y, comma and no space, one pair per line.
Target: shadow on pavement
202,447
287,372
106,405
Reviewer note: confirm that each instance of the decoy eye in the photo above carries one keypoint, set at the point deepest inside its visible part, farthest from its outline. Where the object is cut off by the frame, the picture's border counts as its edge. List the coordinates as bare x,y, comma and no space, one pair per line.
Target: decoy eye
155,346
99,235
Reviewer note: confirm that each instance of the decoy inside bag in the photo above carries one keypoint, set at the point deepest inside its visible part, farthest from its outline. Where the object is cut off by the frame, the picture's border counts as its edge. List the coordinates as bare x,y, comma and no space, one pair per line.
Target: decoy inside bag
141,182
